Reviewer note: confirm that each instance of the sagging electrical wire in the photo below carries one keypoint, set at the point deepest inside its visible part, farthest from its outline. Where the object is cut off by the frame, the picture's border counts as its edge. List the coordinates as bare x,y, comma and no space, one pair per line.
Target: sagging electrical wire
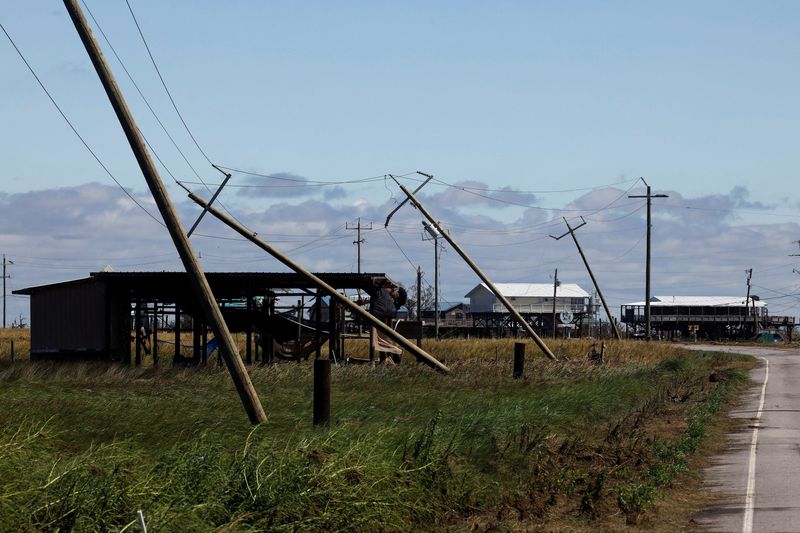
75,131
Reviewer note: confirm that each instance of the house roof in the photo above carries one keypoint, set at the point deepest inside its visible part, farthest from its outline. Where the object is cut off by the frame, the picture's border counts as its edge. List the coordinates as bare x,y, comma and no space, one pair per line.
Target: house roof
699,301
535,290
443,306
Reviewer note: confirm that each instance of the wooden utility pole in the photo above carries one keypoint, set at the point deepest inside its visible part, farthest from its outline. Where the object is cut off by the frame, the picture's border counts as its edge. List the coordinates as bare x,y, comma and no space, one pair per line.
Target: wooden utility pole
199,283
555,292
5,277
649,197
419,306
571,231
336,296
511,309
434,233
359,241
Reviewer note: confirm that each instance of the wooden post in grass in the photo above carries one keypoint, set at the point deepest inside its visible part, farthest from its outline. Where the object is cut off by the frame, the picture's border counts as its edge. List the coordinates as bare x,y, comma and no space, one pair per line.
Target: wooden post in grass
322,392
12,350
202,290
519,359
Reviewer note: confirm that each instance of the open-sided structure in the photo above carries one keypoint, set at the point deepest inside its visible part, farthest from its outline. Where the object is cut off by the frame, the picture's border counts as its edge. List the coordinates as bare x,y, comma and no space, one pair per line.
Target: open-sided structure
93,317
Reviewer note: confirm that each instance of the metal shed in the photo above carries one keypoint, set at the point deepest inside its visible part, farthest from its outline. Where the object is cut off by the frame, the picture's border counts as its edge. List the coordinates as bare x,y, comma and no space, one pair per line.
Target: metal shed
94,317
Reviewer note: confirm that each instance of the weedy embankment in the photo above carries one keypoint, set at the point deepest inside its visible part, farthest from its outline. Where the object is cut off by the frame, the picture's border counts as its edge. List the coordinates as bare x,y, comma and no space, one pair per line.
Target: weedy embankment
570,446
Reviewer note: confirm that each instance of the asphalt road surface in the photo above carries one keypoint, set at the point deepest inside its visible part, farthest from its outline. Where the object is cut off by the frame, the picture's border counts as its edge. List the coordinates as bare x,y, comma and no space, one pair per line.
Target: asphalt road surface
758,476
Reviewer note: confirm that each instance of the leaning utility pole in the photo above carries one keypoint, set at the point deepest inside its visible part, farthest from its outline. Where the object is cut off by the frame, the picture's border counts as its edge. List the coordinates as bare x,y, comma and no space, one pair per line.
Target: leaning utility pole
499,295
649,197
571,231
358,227
5,277
198,280
434,233
341,299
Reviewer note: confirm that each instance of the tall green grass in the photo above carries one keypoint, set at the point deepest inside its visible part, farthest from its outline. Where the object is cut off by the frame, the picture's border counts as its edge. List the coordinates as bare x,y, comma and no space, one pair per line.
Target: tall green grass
83,447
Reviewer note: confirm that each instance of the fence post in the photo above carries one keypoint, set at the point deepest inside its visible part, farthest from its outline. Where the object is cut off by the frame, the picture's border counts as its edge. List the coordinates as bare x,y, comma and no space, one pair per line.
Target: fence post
12,350
322,392
519,359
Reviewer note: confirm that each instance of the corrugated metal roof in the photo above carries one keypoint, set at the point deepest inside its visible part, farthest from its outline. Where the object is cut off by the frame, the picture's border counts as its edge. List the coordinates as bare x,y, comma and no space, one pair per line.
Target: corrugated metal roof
699,301
536,290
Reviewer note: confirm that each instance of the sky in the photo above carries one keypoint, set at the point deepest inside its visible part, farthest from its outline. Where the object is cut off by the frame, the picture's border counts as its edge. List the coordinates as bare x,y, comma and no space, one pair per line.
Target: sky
525,112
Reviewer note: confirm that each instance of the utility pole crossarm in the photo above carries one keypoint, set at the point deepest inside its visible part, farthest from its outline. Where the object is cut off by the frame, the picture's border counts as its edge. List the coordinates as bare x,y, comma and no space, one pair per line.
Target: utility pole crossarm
396,209
511,309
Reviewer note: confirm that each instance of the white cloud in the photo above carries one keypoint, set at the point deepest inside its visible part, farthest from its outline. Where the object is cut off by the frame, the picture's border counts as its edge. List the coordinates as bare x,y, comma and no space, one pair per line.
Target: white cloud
701,245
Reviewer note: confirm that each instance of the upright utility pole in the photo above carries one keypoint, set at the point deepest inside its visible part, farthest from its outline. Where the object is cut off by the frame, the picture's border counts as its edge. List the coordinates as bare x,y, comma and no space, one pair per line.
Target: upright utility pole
358,227
435,234
749,273
198,280
571,231
649,197
5,277
419,306
555,292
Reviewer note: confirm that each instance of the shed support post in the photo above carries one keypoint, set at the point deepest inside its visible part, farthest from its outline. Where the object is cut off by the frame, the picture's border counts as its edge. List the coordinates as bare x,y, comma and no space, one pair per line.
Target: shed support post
204,343
248,350
177,357
196,339
154,347
137,333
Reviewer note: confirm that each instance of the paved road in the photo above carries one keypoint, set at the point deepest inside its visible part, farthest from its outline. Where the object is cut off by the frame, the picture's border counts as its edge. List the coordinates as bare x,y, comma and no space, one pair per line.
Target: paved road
759,474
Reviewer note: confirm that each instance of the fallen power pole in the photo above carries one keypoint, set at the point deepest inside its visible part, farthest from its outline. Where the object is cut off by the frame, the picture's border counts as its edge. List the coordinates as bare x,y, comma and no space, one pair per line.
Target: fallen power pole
202,290
511,309
571,231
250,235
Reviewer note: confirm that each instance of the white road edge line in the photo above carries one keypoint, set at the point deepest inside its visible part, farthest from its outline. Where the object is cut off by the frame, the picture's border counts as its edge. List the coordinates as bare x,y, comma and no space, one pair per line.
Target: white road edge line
750,496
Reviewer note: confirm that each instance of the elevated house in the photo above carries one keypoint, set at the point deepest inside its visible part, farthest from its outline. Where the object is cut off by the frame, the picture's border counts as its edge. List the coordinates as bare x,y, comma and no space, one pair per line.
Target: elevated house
534,301
451,314
712,317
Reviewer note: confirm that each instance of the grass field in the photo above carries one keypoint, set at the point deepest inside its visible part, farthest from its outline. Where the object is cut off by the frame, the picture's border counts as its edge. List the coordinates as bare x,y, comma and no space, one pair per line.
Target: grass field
570,447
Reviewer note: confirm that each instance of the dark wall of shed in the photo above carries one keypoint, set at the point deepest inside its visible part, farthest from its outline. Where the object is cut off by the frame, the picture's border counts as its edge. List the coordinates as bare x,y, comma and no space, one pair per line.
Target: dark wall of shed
70,318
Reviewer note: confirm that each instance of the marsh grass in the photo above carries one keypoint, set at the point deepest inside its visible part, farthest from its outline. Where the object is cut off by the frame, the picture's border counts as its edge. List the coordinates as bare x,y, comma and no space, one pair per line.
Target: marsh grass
82,447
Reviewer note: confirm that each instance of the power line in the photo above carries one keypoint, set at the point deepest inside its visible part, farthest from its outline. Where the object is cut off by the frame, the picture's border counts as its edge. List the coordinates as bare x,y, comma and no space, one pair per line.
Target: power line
164,84
306,182
75,131
146,101
529,191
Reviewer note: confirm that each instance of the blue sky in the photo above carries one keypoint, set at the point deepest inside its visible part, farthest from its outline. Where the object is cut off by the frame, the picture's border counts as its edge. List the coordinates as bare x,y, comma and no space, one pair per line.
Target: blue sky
697,97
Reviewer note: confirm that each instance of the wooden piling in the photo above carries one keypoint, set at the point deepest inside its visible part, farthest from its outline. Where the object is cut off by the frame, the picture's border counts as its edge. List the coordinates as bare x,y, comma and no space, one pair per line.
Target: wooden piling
519,359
